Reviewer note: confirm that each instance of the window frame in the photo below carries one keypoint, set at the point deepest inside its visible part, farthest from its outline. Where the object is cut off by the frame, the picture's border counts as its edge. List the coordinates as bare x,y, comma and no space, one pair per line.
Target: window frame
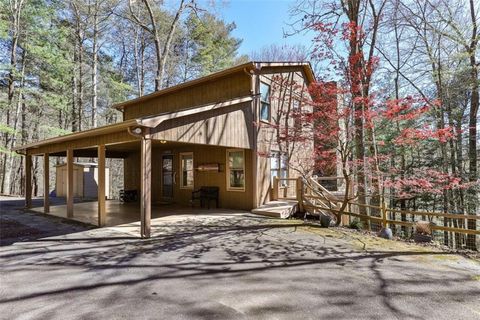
262,102
181,155
279,156
228,170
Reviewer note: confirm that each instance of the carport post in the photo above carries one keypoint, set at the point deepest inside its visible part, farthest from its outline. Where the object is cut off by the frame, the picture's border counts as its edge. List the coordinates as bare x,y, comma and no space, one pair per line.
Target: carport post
101,186
146,176
46,183
70,183
28,181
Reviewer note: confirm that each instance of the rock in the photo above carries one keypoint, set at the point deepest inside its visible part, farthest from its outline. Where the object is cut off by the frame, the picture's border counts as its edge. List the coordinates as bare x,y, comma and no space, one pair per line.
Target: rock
386,233
422,238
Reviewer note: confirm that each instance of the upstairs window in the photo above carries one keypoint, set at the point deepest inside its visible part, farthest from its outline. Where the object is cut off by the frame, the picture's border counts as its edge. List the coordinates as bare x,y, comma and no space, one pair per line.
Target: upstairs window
264,102
235,170
186,164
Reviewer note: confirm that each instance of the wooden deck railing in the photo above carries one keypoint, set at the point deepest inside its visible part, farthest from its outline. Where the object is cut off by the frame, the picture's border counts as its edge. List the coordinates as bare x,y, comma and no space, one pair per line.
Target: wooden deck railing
314,197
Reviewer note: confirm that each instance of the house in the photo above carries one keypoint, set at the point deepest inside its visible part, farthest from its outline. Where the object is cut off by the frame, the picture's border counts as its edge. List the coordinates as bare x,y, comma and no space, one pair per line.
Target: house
220,130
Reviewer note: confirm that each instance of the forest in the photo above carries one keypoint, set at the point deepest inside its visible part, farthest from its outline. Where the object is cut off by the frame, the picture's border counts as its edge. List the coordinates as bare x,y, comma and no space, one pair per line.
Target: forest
406,127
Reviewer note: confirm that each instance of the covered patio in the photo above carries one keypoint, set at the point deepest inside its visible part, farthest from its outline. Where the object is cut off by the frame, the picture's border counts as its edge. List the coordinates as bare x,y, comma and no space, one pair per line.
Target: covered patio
135,141
117,213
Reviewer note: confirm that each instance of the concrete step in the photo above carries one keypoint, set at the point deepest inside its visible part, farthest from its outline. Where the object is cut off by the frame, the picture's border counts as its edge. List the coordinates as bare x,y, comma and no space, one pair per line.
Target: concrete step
278,209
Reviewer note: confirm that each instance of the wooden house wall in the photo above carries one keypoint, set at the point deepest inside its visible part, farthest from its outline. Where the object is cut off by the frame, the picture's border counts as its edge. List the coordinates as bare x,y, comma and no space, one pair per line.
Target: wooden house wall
230,129
267,135
202,154
224,88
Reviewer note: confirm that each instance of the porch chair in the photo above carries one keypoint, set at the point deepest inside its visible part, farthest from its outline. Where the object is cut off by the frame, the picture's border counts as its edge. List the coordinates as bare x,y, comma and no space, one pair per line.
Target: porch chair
205,194
128,195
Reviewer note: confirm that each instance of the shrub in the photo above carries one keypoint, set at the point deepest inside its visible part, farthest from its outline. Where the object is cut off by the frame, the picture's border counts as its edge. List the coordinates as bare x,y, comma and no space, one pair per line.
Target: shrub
423,227
356,224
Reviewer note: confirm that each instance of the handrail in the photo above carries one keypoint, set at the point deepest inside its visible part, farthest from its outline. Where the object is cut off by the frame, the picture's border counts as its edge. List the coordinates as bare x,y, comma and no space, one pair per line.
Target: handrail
329,178
322,189
287,179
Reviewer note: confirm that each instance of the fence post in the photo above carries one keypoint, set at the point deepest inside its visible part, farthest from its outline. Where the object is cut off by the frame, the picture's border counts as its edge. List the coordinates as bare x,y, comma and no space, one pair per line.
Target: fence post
299,193
384,213
275,188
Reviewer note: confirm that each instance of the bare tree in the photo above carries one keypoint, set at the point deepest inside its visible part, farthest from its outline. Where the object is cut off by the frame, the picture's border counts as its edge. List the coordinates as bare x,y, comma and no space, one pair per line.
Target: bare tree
153,27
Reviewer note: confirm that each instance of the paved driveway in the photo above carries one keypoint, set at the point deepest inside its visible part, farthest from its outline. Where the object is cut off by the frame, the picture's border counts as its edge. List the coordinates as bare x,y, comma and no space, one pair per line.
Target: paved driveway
228,267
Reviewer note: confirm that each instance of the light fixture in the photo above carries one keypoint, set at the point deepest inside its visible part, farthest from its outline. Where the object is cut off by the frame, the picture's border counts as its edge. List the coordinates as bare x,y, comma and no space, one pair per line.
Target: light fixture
137,130
163,141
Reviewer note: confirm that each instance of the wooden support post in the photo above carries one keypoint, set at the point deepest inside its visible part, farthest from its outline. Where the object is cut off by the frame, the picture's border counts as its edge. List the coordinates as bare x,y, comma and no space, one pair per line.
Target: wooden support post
101,186
146,176
46,183
275,188
299,193
28,181
384,213
70,183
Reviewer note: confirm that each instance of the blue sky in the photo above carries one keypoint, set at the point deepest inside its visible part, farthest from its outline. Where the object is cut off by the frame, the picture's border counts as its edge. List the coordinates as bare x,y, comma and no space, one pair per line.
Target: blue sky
261,23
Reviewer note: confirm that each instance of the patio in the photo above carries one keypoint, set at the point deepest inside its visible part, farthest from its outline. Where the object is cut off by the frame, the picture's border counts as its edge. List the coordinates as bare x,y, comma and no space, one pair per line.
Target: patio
118,213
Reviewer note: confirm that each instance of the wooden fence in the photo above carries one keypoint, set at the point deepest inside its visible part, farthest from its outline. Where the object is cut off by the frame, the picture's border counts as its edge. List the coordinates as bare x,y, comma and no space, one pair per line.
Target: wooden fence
316,198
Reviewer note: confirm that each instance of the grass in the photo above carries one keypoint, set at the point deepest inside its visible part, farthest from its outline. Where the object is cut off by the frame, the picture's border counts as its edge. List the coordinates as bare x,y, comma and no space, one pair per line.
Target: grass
366,242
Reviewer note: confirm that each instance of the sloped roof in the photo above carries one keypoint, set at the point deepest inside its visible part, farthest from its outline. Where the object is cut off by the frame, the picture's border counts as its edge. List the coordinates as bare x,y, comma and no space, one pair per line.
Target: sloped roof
252,65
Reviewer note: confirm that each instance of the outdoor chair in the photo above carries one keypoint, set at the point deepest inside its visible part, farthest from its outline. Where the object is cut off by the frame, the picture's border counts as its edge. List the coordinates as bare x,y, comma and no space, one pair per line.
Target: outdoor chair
205,194
128,195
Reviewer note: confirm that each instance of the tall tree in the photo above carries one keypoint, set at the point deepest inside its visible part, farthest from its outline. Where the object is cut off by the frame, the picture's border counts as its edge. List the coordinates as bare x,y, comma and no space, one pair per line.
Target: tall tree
152,26
214,47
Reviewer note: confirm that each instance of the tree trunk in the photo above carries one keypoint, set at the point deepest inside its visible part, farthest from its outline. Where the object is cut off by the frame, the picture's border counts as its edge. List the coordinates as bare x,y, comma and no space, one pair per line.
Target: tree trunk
74,91
94,65
472,132
15,16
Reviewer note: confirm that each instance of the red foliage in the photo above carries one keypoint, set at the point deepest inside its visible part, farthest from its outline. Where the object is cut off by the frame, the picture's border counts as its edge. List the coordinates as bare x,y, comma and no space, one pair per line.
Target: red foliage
425,181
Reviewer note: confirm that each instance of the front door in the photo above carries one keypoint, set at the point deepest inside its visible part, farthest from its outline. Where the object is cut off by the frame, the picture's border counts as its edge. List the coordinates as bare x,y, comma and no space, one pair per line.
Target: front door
167,177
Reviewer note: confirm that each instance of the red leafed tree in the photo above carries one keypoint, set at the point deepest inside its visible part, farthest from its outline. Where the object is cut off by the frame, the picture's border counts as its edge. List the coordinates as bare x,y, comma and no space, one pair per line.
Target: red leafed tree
409,117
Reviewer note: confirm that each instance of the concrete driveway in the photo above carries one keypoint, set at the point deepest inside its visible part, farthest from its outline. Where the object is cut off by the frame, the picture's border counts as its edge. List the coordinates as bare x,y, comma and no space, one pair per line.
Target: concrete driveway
232,266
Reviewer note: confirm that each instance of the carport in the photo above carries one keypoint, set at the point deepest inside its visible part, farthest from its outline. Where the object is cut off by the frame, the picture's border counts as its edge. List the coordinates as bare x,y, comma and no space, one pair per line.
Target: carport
118,140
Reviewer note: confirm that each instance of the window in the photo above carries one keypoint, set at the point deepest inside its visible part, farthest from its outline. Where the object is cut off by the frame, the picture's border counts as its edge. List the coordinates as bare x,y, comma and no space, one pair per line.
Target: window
186,165
278,165
264,102
235,170
296,113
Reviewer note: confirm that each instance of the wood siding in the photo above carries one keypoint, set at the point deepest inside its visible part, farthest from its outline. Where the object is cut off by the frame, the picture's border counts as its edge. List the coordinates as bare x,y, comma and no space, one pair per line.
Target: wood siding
229,128
216,90
268,134
201,155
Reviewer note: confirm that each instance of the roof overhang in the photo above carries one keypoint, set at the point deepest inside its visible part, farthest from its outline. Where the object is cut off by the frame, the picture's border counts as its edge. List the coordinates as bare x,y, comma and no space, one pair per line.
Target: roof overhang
78,135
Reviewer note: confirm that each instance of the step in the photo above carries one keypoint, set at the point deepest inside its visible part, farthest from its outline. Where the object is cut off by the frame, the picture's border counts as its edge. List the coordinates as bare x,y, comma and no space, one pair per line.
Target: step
278,209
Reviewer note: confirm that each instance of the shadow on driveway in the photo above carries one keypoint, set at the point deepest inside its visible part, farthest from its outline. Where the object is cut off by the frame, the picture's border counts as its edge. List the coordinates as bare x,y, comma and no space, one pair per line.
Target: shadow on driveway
236,266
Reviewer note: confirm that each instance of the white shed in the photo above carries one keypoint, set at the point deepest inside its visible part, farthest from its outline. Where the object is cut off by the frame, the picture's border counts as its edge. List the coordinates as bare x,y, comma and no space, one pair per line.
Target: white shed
85,180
